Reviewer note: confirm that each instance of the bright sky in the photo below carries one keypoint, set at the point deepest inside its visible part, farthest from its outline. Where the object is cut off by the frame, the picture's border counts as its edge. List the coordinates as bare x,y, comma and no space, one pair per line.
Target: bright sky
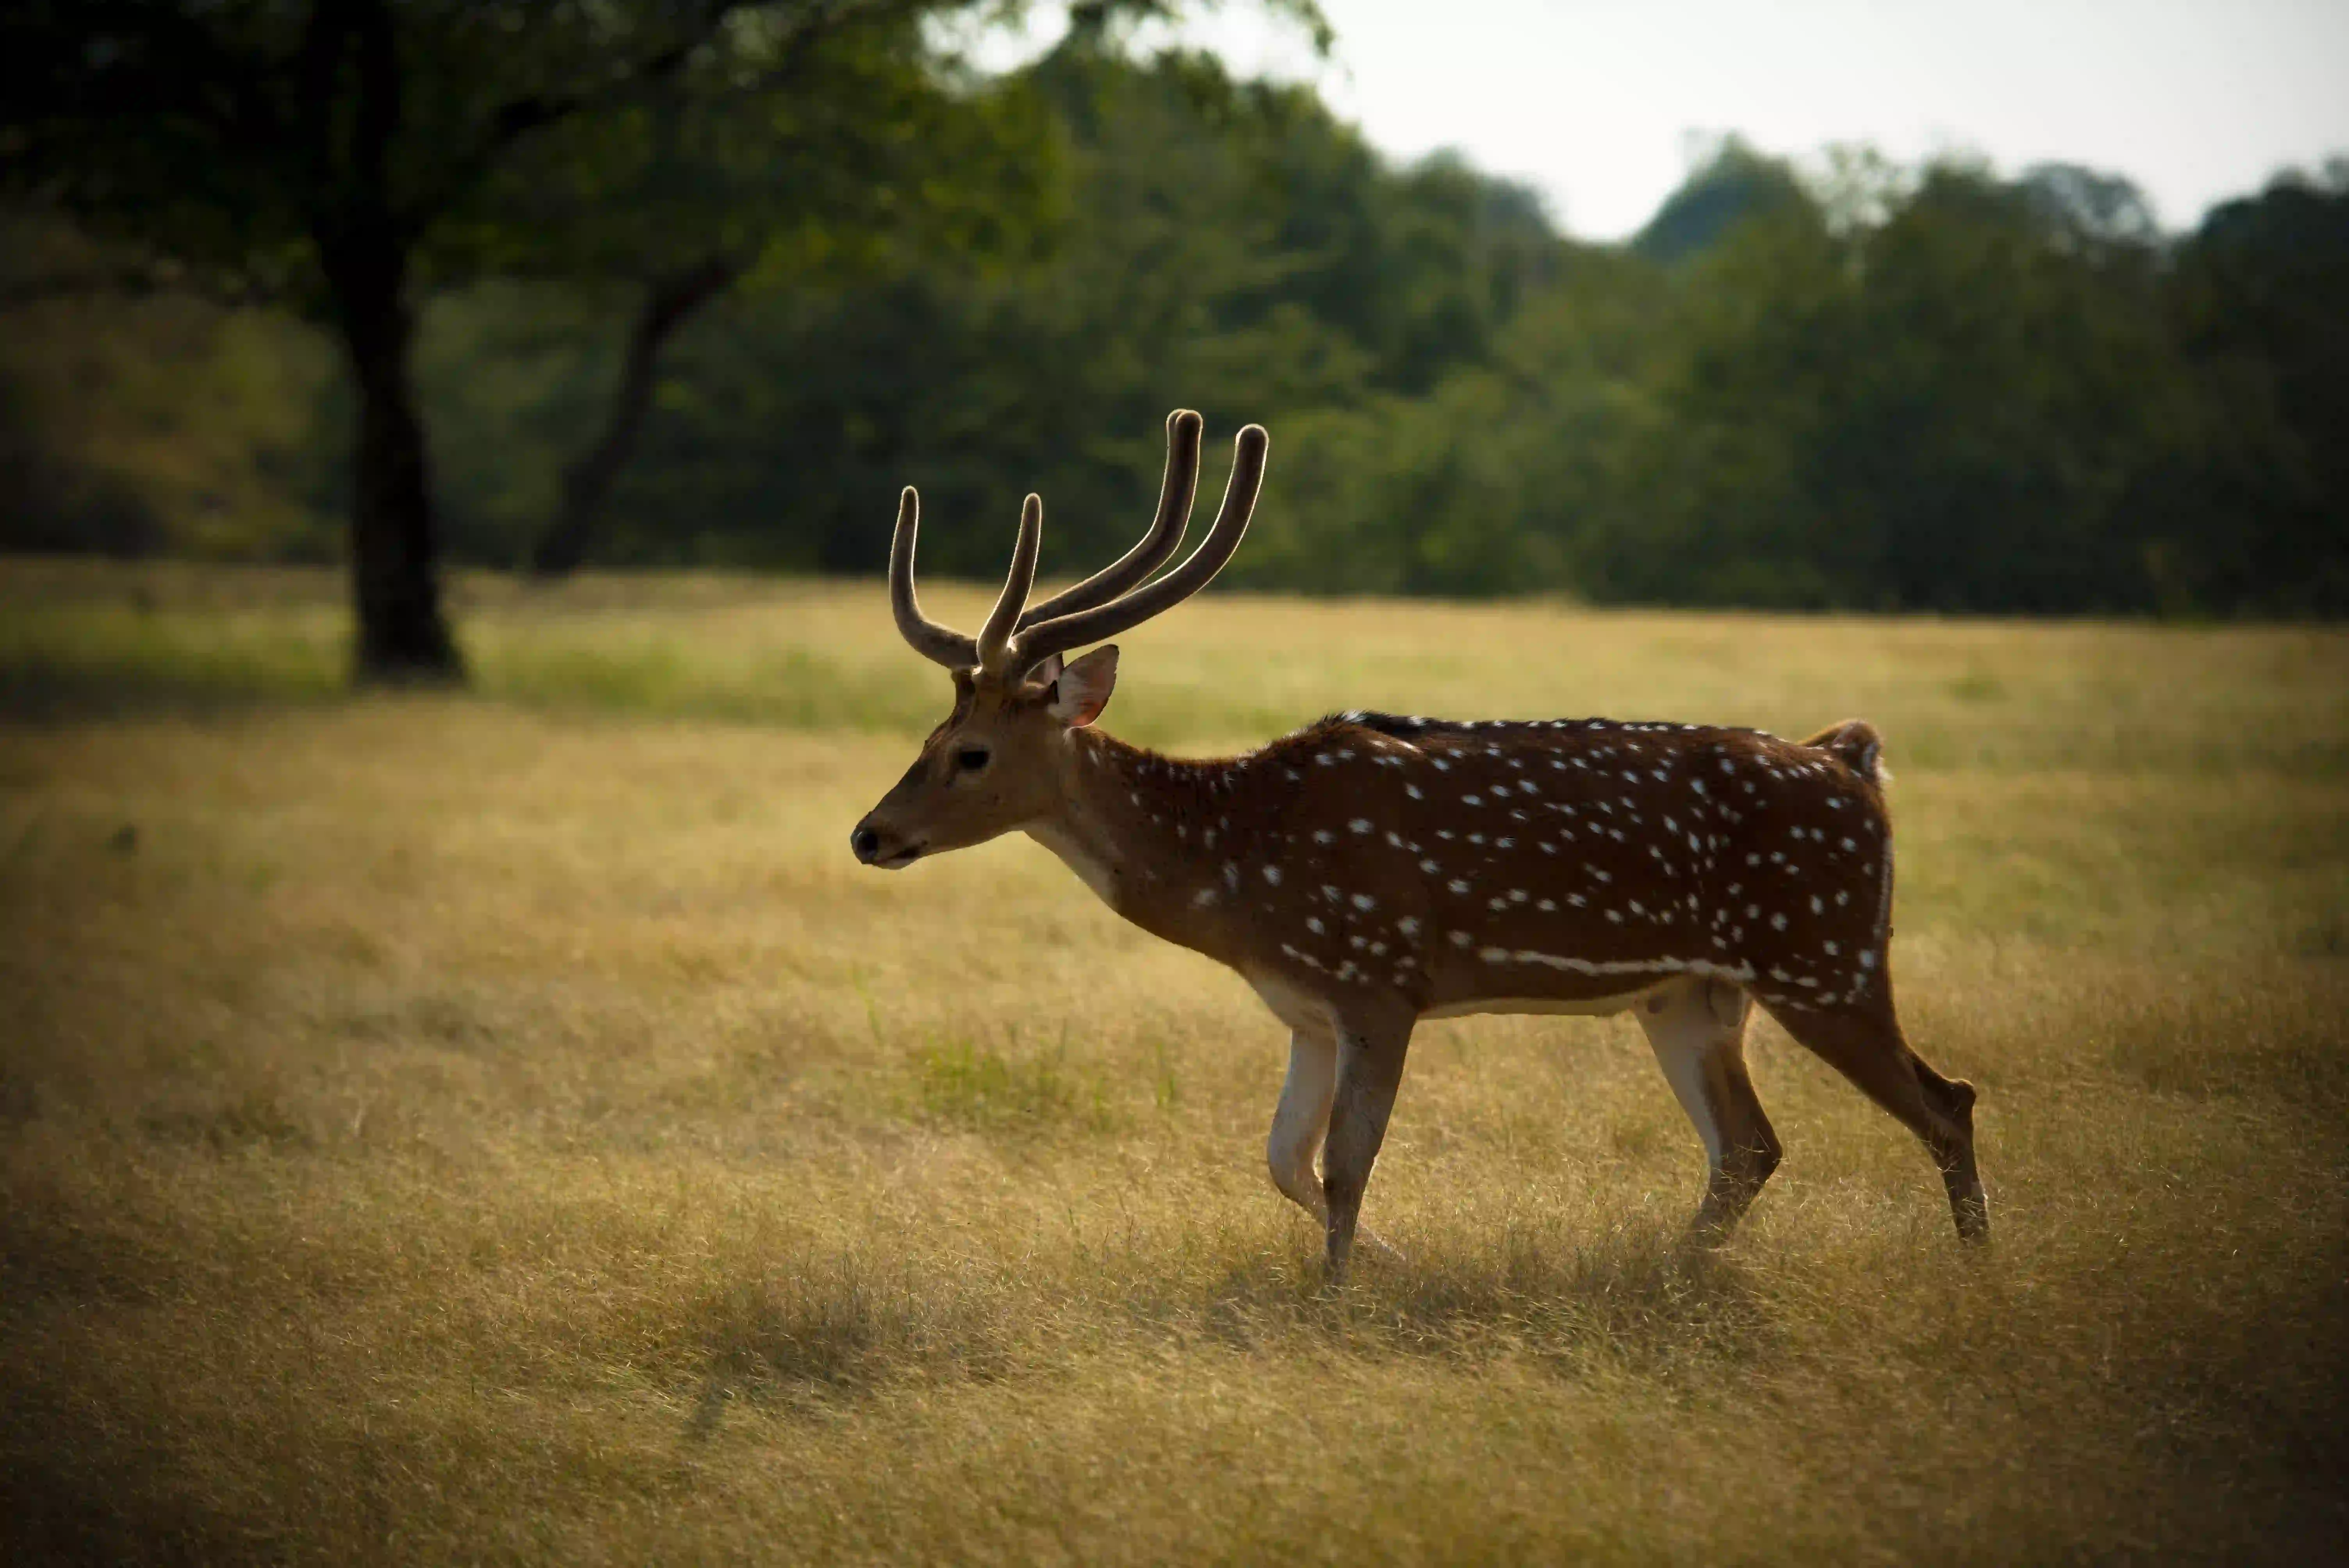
1597,102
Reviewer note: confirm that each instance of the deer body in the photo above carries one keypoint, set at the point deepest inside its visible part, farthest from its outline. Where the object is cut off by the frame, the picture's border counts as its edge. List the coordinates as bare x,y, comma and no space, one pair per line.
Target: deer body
1371,871
1460,866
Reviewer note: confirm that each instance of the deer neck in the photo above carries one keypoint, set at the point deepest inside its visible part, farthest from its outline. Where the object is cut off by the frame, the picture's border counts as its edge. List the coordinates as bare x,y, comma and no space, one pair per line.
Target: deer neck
1129,824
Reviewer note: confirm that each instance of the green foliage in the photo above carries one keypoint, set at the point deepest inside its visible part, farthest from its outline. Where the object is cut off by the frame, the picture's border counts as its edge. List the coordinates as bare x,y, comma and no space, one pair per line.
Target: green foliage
1862,385
1732,186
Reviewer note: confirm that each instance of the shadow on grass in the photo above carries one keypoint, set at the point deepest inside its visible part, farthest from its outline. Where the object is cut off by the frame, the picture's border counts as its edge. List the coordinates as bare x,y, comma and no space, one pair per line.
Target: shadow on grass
37,691
843,1328
1644,1299
835,1327
64,1505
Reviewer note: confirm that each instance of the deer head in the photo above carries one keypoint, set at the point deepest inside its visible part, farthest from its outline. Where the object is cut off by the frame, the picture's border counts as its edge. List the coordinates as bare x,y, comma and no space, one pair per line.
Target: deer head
1001,758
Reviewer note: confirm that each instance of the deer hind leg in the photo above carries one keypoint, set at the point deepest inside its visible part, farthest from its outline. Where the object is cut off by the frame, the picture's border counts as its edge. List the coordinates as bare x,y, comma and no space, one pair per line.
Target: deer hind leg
1862,1040
1697,1029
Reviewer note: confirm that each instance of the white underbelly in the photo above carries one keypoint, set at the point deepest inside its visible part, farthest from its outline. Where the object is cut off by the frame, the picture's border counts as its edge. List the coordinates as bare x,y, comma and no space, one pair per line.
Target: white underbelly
1302,1010
1589,1006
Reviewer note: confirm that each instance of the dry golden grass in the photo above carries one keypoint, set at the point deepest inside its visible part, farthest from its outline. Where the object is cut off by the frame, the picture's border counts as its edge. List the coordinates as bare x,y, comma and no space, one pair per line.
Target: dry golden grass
511,1127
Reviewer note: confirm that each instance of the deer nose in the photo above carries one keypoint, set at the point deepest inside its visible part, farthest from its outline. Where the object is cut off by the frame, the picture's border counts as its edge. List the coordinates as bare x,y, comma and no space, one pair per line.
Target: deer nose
866,842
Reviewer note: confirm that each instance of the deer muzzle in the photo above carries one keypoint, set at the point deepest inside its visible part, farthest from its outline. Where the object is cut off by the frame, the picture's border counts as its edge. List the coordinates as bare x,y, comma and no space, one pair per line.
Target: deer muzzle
875,844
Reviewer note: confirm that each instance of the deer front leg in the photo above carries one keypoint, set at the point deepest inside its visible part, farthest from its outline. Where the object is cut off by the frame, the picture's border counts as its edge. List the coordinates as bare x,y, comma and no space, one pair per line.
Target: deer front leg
1299,1125
1302,1117
1369,1068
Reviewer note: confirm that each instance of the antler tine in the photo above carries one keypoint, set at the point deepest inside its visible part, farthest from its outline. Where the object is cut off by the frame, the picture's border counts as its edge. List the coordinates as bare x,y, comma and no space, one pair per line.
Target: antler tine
996,646
1177,493
942,645
1066,632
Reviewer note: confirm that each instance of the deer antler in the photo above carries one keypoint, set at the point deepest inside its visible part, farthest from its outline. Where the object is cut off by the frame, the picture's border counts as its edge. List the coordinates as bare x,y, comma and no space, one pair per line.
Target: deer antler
942,643
1015,638
995,640
1062,633
1177,493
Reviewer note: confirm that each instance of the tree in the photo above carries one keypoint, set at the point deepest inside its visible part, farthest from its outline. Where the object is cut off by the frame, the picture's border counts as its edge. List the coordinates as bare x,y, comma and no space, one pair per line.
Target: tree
1729,185
2259,517
1220,242
342,157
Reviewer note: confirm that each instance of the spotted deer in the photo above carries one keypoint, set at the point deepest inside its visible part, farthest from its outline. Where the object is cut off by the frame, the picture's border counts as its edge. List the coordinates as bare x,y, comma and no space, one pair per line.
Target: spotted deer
1371,871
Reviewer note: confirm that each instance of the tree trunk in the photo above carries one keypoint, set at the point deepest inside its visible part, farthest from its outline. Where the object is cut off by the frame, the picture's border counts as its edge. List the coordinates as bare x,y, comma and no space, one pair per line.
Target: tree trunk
395,582
587,480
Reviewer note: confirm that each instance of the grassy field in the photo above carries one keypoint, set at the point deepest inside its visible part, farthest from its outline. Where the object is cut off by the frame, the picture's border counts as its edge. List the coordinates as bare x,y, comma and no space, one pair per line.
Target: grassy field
511,1126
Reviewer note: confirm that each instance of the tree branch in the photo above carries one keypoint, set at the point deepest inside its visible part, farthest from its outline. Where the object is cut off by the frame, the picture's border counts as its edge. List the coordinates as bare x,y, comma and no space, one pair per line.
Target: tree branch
519,118
588,479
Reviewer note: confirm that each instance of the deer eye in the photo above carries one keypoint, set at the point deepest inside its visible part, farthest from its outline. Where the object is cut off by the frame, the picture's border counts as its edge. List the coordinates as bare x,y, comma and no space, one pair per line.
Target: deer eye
971,759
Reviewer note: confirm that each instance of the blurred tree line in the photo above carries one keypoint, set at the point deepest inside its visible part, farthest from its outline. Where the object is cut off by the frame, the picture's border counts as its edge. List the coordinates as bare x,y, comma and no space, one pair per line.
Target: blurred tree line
691,333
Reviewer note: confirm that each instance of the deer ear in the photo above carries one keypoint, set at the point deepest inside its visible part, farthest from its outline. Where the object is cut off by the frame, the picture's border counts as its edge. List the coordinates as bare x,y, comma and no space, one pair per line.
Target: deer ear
1082,689
1046,672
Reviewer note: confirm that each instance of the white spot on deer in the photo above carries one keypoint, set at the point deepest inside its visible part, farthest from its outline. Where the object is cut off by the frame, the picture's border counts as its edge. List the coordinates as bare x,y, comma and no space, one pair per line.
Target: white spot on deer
1818,904
1472,800
1324,836
1778,921
1546,905
1313,923
1458,884
1360,825
1430,867
1232,875
1461,939
1413,790
1829,948
1204,898
1476,837
1365,901
1408,925
1868,958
